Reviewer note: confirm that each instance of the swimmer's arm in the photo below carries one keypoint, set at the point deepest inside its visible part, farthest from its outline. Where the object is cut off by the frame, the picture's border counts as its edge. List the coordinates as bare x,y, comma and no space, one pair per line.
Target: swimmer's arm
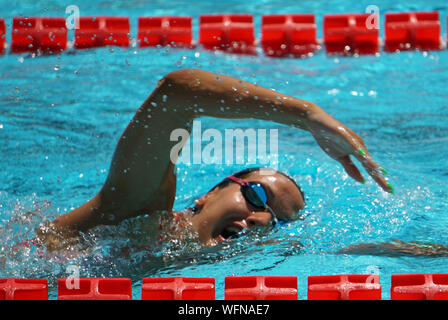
141,178
397,248
208,94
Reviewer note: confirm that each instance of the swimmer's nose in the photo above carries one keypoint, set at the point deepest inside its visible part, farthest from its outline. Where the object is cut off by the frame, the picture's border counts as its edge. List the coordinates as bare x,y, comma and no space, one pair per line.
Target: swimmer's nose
258,219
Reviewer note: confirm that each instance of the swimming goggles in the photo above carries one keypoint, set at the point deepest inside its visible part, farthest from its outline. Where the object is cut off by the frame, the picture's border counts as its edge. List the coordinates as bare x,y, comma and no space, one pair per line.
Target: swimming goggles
255,194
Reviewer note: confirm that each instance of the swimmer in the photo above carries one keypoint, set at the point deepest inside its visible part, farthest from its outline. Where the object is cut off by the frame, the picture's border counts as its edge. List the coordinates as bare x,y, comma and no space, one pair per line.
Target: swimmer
142,179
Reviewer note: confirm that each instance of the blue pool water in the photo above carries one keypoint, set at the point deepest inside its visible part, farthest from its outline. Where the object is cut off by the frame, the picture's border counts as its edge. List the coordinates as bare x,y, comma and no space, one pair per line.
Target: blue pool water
61,116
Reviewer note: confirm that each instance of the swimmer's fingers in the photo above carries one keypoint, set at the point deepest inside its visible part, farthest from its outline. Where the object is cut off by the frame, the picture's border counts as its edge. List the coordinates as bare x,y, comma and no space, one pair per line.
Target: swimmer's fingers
351,169
373,168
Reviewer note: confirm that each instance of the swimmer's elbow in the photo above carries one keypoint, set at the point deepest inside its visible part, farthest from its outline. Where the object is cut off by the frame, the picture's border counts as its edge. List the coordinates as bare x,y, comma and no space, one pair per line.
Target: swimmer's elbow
179,75
184,78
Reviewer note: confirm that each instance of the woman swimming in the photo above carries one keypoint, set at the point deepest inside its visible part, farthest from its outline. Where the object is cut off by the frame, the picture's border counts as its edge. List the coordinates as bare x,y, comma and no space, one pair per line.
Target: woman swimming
142,180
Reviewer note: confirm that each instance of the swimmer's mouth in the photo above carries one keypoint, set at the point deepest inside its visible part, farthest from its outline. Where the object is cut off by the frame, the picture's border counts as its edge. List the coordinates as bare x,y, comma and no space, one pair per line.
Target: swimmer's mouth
232,231
229,233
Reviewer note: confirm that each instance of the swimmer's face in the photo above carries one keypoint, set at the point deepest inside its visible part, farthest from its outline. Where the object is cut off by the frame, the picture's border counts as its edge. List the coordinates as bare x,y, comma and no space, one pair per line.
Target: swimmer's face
225,212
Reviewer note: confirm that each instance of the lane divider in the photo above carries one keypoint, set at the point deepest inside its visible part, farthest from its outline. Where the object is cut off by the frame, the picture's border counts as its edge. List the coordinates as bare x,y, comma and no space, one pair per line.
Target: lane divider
30,34
414,30
178,288
419,287
330,287
261,288
288,34
95,289
350,34
102,31
23,289
233,33
2,36
281,34
344,287
163,31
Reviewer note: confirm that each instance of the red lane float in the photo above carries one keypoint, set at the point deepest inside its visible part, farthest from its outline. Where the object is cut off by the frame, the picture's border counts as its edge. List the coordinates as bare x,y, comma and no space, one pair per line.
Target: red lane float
31,34
350,34
419,287
288,34
163,31
95,289
344,287
233,33
2,36
178,288
102,31
412,30
23,289
260,288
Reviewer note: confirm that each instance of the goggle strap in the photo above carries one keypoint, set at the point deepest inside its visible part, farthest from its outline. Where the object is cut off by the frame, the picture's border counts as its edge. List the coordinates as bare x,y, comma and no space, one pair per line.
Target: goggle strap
241,182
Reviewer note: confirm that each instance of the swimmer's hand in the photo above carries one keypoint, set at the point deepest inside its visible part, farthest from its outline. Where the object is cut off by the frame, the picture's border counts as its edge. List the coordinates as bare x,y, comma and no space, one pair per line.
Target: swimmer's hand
55,238
340,142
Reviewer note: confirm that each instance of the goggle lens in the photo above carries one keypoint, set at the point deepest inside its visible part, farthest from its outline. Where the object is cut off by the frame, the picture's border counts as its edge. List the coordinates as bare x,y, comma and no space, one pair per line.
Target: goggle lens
256,194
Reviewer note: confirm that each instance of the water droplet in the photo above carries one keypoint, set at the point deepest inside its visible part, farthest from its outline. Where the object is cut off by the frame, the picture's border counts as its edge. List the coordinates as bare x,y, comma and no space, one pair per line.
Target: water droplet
164,98
154,104
56,68
372,93
333,91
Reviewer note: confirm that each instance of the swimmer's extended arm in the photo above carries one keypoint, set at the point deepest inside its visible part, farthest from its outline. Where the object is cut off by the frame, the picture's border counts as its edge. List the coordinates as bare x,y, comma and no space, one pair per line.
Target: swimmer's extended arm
397,248
141,177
